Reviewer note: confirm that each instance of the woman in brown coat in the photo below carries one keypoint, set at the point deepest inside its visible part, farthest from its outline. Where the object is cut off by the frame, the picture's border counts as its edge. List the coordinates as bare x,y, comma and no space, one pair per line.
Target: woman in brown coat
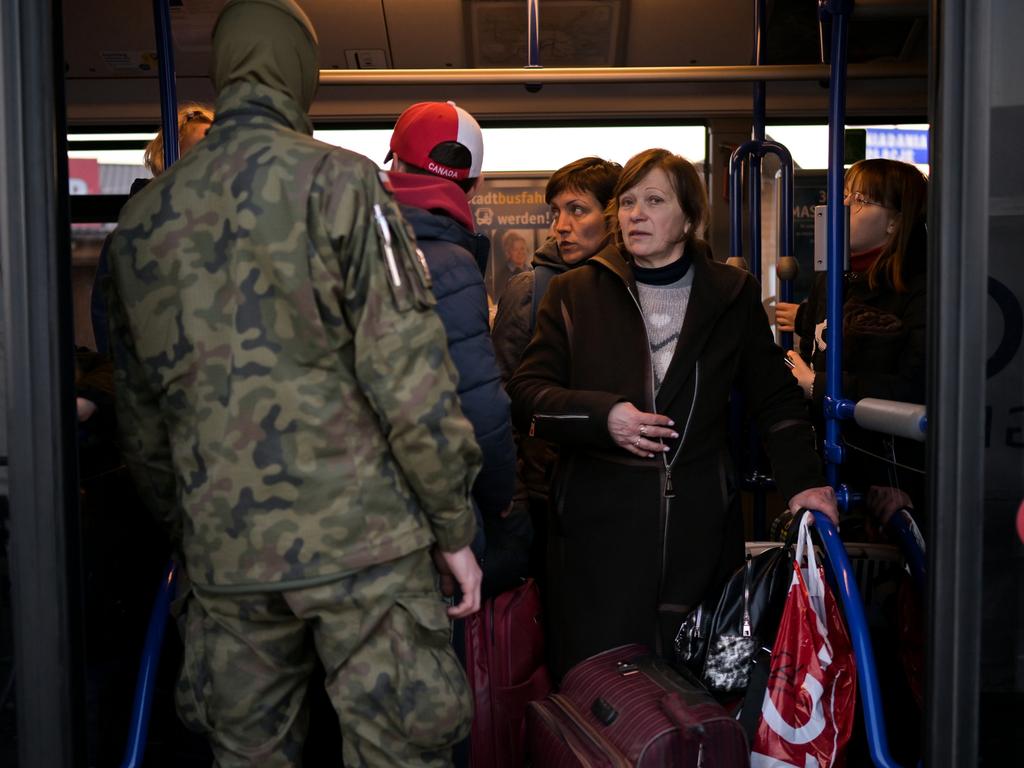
630,371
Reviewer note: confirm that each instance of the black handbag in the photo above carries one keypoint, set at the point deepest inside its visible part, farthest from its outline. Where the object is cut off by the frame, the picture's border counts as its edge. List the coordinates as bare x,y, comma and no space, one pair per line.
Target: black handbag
718,640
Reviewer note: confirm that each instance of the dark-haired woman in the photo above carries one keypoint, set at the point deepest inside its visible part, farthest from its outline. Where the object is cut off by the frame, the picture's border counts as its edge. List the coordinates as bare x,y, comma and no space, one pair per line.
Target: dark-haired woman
578,194
629,372
884,313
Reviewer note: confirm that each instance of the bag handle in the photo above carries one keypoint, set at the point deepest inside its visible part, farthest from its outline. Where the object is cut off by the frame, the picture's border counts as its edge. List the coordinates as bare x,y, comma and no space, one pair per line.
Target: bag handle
812,574
689,725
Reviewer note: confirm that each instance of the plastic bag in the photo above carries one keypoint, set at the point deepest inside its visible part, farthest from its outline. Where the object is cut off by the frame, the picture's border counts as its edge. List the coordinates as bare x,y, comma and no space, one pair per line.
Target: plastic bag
808,709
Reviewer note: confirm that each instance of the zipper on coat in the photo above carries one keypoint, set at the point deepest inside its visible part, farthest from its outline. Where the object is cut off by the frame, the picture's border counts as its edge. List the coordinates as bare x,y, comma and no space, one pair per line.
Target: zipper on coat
747,629
669,493
554,416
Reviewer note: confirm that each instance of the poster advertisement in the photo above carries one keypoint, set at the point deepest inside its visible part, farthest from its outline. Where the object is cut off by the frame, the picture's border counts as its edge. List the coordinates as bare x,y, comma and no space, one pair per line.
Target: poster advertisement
510,210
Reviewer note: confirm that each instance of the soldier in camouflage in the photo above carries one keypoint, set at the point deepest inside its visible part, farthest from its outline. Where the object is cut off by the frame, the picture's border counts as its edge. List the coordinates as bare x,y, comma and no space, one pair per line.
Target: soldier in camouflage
288,407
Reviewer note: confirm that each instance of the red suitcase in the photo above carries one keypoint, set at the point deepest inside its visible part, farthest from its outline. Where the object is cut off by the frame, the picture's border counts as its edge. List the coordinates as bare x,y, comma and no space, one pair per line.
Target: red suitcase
506,670
625,708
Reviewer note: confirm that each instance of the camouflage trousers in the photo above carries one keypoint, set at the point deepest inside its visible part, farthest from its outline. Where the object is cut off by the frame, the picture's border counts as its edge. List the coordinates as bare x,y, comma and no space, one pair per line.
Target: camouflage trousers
383,636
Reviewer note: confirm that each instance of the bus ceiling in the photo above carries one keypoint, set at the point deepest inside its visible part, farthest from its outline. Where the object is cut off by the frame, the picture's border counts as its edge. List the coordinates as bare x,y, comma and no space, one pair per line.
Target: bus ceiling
617,59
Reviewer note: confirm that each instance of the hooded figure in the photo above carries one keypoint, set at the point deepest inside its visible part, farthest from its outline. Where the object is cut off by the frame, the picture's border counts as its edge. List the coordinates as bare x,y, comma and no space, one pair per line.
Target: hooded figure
288,408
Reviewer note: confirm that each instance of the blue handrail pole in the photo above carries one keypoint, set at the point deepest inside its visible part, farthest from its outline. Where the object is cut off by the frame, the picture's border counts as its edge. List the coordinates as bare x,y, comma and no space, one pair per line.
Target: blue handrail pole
148,667
754,170
840,11
753,151
787,245
753,480
168,87
736,197
856,623
757,479
150,662
759,500
533,33
757,135
760,35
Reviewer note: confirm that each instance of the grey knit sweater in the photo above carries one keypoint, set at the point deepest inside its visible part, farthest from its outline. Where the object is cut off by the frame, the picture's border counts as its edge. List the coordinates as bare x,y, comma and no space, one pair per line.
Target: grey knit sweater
664,308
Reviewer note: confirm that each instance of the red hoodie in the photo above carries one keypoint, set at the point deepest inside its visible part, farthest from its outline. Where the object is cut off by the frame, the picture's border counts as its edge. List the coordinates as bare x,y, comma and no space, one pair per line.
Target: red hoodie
432,193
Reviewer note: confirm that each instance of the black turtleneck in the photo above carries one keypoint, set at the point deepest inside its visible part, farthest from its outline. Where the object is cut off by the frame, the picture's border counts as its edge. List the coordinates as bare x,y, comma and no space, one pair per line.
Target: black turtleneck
666,275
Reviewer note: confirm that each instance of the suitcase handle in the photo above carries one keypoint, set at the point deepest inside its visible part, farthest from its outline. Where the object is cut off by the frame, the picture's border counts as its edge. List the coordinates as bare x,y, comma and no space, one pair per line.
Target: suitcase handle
680,714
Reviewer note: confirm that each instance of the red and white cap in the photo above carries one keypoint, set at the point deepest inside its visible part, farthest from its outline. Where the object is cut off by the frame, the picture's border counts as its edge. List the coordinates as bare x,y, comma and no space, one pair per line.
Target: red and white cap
425,125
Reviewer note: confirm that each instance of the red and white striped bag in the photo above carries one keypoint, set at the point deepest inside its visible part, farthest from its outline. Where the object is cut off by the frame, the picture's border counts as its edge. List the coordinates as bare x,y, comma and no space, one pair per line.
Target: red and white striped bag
808,709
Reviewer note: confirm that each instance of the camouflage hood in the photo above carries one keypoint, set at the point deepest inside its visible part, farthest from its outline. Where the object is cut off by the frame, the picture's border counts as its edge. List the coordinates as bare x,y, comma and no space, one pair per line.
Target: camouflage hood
270,43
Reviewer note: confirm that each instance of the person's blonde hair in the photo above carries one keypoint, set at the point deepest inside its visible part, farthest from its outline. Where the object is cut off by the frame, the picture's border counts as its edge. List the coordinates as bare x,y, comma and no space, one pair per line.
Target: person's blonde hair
190,112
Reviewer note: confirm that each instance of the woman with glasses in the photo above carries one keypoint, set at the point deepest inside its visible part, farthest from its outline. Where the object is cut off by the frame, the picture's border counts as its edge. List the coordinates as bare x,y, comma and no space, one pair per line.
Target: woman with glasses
884,306
884,313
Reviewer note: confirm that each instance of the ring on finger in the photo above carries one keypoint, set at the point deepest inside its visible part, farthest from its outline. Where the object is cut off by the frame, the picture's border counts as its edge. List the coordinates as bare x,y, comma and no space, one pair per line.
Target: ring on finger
636,443
643,430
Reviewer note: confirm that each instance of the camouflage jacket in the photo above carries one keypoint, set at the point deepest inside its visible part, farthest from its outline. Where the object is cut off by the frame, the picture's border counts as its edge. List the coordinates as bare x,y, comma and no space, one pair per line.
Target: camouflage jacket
284,389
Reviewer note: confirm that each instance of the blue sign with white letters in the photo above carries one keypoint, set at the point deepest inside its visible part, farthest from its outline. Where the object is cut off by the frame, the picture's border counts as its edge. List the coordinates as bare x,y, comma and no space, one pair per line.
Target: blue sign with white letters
907,145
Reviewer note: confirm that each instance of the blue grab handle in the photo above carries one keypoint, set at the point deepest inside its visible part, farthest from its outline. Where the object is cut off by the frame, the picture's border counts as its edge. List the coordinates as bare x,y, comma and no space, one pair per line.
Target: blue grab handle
867,674
147,671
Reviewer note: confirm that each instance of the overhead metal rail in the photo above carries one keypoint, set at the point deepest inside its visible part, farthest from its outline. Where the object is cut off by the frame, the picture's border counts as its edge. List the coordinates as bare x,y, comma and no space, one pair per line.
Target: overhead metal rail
599,75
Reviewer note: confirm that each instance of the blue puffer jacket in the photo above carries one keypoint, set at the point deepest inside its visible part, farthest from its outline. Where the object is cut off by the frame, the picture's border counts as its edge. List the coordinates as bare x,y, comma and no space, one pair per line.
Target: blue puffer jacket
456,258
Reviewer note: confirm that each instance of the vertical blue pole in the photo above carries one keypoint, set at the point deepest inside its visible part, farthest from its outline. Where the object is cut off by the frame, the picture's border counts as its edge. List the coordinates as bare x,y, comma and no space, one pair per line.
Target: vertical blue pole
136,746
839,9
759,506
786,244
168,88
760,25
754,166
736,203
533,33
869,692
148,667
757,134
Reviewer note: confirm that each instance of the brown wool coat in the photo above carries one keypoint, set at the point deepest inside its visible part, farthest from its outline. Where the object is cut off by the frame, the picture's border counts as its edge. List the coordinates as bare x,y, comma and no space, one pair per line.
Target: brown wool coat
625,563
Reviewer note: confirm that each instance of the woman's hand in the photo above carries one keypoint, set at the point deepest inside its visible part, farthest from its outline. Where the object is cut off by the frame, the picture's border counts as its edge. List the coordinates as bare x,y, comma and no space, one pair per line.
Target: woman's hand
821,499
638,432
801,372
785,315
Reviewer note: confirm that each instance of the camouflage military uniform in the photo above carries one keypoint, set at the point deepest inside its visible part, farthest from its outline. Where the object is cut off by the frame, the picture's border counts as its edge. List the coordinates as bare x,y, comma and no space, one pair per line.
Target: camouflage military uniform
287,405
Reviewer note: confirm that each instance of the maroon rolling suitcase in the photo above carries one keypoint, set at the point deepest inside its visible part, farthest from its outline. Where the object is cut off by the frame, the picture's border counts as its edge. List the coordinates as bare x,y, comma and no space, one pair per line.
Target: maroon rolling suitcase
625,708
506,670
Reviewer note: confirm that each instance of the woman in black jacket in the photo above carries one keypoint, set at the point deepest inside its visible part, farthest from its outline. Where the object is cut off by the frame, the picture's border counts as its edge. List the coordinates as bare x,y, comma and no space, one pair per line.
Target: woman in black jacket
884,314
578,194
629,372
